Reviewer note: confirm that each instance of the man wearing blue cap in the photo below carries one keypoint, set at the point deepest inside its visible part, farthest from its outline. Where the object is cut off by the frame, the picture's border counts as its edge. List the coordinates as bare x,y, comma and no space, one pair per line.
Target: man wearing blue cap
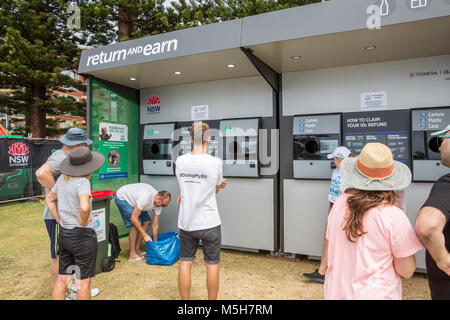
47,175
433,226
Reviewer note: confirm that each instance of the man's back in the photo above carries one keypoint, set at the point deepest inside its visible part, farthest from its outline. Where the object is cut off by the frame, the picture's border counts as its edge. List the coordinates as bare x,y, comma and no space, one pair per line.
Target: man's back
198,175
138,194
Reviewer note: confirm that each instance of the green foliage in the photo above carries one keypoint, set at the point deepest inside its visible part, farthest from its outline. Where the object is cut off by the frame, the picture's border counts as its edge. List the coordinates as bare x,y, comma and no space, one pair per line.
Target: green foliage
35,46
101,20
200,12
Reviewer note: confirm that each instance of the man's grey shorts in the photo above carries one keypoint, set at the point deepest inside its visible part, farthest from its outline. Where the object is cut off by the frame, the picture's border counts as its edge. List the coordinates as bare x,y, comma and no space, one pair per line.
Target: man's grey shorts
211,239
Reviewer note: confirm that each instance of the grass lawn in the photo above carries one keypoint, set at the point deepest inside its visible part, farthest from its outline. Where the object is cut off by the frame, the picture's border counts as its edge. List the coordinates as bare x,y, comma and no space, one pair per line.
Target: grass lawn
25,270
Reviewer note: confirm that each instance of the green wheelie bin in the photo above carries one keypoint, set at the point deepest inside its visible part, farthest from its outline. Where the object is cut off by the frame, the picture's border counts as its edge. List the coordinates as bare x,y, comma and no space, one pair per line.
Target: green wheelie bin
100,214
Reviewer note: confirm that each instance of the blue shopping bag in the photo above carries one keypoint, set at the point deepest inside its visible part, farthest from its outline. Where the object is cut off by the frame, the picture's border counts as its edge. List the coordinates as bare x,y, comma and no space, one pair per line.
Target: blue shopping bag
165,251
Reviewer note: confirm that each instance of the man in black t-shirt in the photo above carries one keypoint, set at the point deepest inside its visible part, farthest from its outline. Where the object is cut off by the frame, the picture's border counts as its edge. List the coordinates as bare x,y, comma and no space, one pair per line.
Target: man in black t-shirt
433,226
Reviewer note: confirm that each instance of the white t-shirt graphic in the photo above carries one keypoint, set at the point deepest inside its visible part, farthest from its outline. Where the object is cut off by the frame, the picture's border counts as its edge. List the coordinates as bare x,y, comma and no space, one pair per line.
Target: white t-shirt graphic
336,187
198,175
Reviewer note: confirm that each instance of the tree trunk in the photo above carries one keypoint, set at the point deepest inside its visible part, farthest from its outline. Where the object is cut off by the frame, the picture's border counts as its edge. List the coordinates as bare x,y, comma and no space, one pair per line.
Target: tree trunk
38,112
127,24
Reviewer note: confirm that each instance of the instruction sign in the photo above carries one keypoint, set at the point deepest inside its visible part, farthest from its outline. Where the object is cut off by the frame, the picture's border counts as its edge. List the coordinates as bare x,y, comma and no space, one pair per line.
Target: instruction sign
388,127
317,124
430,119
199,113
114,147
98,216
374,100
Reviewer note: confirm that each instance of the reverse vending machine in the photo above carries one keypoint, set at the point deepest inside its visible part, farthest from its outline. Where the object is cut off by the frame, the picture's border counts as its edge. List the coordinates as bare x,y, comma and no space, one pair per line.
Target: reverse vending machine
239,139
182,138
157,149
425,148
315,136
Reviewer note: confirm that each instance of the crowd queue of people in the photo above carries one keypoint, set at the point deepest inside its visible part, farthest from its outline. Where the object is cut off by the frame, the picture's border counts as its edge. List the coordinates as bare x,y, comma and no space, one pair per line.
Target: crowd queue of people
369,242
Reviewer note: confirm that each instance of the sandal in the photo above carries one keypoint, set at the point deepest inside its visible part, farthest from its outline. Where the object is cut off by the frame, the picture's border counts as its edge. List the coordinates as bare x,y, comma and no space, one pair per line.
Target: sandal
136,259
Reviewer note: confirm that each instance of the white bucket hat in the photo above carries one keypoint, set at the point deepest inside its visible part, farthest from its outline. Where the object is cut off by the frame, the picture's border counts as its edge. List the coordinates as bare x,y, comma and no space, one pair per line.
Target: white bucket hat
375,169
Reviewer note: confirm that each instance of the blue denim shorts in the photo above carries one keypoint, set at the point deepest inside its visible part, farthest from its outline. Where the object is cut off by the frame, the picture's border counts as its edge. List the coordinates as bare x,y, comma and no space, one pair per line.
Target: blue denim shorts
126,210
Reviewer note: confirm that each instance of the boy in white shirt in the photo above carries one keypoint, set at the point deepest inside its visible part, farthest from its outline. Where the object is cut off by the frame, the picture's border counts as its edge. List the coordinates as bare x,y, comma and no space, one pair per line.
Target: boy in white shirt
200,177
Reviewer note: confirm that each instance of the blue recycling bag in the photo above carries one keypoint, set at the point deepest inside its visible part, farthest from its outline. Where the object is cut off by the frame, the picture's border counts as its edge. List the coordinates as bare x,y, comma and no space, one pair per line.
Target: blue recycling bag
165,251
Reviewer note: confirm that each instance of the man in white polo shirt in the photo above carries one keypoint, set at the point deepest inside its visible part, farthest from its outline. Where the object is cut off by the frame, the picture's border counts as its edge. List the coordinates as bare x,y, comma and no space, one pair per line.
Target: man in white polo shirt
134,202
200,178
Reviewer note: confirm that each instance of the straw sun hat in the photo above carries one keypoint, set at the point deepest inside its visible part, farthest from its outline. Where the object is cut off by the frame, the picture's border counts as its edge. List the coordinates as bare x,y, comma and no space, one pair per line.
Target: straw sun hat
375,169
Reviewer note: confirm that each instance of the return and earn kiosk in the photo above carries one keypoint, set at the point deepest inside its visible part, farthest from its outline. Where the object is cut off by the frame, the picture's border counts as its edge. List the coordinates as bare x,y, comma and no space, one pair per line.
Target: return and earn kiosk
280,90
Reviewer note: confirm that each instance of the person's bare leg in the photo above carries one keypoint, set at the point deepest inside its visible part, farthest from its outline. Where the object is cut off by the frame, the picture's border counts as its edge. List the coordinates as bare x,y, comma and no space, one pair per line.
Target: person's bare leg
54,269
323,260
140,238
84,291
212,280
60,287
184,279
132,238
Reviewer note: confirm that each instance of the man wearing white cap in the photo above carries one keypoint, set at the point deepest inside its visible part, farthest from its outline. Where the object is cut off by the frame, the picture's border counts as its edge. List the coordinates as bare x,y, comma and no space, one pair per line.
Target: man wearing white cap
336,188
433,226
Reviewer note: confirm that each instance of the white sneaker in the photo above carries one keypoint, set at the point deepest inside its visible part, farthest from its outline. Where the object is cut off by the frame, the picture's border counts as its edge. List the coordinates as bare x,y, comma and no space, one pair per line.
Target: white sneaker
95,292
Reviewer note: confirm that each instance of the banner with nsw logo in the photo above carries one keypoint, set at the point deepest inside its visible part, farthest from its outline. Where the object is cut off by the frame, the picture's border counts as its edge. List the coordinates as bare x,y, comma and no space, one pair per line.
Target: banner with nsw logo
19,153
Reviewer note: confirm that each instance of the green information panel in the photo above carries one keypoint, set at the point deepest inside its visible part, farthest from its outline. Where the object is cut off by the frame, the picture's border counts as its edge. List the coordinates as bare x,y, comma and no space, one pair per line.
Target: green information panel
115,135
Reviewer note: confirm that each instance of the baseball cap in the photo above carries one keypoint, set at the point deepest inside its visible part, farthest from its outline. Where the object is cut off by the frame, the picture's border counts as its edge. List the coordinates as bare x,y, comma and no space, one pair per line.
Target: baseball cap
442,132
340,152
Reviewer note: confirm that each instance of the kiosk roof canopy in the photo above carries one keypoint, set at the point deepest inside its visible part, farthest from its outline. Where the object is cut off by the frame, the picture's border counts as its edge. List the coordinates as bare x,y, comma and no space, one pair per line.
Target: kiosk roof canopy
323,35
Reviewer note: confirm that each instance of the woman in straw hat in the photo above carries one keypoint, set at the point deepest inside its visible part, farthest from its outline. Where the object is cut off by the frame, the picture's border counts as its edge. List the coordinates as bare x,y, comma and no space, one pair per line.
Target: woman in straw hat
77,238
370,241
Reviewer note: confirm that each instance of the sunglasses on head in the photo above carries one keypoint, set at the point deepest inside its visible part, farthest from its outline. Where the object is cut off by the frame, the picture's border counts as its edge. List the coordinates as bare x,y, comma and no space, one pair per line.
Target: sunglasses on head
441,139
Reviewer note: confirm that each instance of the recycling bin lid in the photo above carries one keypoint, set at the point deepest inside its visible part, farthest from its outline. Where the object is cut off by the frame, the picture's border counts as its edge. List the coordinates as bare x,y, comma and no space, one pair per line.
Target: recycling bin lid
97,194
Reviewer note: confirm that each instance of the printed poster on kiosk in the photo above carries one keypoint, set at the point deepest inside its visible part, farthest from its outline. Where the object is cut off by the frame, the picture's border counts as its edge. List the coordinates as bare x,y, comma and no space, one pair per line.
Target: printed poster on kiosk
114,146
391,128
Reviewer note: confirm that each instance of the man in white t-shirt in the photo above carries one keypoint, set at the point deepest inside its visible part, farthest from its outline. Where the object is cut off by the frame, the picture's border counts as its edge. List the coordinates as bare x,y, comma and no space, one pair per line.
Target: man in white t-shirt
200,177
134,202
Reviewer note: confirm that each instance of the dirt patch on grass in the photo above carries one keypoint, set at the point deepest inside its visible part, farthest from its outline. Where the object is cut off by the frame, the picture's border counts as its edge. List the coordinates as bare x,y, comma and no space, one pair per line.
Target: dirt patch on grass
25,270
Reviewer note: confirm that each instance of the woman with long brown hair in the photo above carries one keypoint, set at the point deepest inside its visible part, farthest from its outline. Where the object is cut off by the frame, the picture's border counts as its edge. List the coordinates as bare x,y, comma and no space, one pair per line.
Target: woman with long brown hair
370,241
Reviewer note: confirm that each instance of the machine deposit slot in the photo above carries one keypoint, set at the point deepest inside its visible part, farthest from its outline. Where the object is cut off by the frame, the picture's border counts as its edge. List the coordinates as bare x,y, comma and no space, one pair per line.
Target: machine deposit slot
157,150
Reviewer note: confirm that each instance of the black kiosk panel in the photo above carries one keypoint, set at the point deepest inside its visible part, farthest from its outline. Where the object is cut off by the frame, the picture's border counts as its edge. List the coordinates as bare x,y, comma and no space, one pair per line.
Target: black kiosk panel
391,128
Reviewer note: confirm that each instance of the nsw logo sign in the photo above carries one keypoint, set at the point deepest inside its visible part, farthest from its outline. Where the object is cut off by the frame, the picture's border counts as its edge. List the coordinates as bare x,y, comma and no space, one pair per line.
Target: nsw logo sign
18,154
153,105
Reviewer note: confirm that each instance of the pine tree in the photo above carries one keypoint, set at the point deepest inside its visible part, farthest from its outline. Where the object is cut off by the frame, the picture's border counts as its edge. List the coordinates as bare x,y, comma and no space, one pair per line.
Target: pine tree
36,44
200,12
108,21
